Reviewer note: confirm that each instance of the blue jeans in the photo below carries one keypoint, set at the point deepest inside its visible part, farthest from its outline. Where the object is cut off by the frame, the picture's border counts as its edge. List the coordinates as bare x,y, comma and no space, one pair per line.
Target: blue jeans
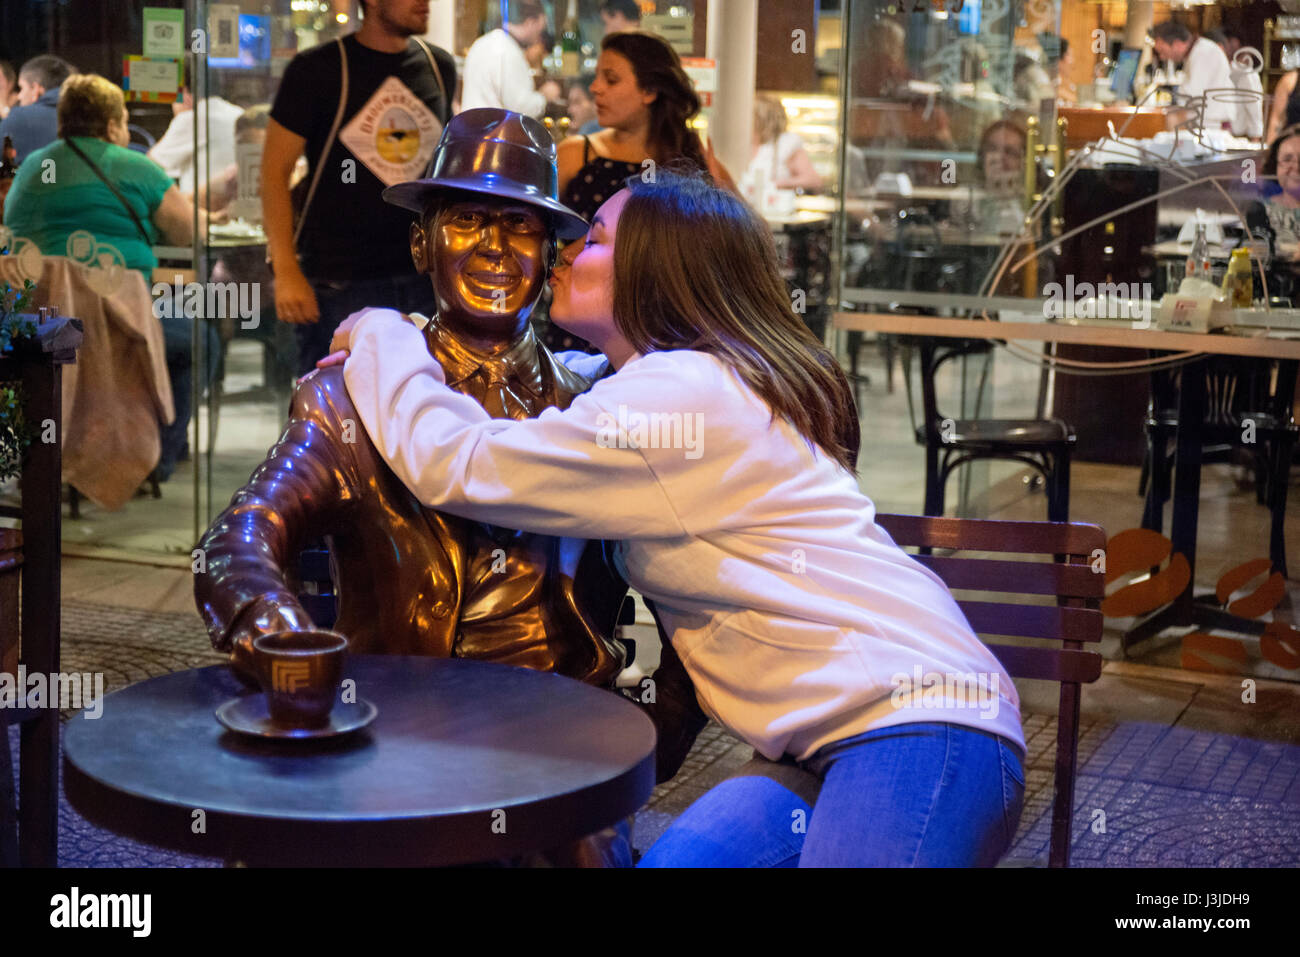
915,795
338,299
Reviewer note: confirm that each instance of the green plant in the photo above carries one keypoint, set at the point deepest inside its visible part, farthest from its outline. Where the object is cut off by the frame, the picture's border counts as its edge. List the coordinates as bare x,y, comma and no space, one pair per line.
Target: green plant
14,435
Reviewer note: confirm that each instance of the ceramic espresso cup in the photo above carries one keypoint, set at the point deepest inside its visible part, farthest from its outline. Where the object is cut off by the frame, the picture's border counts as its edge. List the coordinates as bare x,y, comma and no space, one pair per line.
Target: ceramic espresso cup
300,671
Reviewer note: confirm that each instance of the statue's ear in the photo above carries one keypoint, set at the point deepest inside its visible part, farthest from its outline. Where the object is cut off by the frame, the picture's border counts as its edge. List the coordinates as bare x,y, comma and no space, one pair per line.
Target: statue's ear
419,247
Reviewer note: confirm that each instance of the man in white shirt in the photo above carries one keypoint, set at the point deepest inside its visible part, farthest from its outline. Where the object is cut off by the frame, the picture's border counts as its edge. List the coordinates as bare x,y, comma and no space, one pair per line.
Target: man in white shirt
1205,69
1250,111
174,152
497,73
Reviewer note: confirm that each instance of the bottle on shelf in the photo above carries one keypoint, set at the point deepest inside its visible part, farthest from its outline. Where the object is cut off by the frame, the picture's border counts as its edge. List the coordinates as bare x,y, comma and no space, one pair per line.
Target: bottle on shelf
1198,260
8,170
571,48
8,160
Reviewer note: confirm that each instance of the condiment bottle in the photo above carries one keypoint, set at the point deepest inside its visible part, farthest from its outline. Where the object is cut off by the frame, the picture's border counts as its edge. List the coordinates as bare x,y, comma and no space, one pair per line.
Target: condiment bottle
1238,286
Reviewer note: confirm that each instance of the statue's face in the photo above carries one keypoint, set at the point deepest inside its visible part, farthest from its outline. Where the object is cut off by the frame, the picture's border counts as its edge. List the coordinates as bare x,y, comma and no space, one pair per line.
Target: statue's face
488,261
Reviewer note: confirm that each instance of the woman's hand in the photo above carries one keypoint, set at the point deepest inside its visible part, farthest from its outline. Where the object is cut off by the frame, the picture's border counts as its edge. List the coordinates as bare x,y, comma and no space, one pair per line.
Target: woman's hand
341,343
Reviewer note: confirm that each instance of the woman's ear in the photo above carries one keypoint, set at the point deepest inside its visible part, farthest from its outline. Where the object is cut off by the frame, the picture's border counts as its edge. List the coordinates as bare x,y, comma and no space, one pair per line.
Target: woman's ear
419,247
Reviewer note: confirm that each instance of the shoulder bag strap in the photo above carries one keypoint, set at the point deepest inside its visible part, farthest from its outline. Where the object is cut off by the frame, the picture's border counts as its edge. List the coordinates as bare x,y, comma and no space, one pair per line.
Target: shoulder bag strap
329,141
437,74
144,233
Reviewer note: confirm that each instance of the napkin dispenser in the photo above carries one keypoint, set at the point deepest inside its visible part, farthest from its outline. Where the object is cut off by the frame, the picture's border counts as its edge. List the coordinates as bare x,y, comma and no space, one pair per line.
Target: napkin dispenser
1197,306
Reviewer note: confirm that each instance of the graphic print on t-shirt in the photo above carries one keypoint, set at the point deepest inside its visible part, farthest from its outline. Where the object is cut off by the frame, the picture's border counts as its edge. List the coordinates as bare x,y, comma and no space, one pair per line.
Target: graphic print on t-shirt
393,134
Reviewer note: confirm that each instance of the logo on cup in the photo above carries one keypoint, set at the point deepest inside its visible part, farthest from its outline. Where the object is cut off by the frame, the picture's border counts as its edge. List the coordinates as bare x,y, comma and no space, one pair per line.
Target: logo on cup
289,676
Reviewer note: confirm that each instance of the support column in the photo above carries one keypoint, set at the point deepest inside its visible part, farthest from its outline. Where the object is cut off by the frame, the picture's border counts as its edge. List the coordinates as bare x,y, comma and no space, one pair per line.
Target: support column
1141,16
732,41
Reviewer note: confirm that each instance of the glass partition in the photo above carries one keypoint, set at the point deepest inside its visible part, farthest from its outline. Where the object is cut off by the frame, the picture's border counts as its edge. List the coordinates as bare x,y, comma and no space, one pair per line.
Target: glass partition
949,137
246,400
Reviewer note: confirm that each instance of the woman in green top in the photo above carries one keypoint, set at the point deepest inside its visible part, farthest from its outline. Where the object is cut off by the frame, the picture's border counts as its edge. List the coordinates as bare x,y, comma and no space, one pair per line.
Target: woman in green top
62,202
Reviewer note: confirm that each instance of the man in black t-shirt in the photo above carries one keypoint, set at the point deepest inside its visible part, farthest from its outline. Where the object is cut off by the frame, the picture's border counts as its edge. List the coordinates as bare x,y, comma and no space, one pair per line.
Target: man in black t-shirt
352,249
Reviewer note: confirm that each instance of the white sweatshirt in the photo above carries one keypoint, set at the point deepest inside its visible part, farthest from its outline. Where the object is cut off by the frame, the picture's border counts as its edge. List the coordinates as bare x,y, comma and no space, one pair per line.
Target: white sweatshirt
799,620
497,74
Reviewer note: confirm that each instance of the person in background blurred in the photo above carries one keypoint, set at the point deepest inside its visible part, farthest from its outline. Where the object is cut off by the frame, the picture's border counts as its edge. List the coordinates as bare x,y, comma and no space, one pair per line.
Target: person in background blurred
778,153
1205,69
582,108
1277,110
1283,162
645,102
910,119
1000,175
1250,111
34,121
174,152
147,209
497,72
8,88
1059,61
1030,81
220,191
619,16
349,248
552,89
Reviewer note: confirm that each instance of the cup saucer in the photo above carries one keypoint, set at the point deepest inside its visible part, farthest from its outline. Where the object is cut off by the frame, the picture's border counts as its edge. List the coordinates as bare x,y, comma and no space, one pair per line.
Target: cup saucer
249,715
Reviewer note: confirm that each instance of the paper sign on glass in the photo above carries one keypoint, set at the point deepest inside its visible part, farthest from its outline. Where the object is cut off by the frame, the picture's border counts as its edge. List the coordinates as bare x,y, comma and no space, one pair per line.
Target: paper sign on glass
164,32
223,30
151,80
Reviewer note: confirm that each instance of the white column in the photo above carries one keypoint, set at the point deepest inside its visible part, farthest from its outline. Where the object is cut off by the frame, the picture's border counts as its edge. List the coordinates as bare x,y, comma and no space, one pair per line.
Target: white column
1141,15
732,41
442,25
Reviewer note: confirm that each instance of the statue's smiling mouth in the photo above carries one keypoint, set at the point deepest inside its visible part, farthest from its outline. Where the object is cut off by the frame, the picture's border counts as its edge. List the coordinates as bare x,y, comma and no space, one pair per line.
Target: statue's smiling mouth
494,278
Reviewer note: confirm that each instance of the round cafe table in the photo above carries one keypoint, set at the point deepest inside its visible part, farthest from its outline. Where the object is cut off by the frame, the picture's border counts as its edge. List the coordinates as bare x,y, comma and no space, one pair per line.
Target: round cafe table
466,762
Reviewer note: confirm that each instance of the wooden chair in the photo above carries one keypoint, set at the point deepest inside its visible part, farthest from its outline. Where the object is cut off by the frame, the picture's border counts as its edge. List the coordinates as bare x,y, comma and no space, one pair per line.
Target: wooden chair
1076,619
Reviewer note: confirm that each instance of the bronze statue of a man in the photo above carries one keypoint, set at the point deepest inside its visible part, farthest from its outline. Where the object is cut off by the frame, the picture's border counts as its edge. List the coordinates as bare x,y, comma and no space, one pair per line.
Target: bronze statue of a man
411,580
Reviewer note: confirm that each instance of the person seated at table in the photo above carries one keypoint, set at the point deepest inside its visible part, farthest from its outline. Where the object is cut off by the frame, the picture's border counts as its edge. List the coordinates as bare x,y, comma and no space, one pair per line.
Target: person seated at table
1282,164
33,121
779,155
217,194
128,203
721,455
582,108
8,88
174,151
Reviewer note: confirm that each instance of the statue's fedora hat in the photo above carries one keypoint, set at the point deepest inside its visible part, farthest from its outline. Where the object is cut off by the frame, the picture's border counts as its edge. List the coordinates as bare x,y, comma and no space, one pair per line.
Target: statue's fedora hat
496,153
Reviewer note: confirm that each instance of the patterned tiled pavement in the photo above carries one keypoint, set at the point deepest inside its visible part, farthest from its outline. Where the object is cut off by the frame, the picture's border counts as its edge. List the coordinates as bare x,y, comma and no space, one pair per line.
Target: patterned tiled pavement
1146,795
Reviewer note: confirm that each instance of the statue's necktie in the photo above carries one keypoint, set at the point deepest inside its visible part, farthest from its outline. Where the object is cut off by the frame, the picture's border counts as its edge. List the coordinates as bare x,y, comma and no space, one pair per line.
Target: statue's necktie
501,398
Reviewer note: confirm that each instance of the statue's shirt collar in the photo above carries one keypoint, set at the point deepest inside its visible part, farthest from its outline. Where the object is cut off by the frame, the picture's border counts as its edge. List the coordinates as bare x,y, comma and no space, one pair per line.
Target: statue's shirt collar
515,376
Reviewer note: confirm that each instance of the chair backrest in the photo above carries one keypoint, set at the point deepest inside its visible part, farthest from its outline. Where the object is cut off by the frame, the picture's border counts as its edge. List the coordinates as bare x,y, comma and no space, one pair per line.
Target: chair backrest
934,353
1068,630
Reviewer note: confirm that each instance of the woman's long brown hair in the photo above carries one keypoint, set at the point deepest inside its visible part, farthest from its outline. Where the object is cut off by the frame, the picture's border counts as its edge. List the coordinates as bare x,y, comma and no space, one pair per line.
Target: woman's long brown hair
695,268
658,69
